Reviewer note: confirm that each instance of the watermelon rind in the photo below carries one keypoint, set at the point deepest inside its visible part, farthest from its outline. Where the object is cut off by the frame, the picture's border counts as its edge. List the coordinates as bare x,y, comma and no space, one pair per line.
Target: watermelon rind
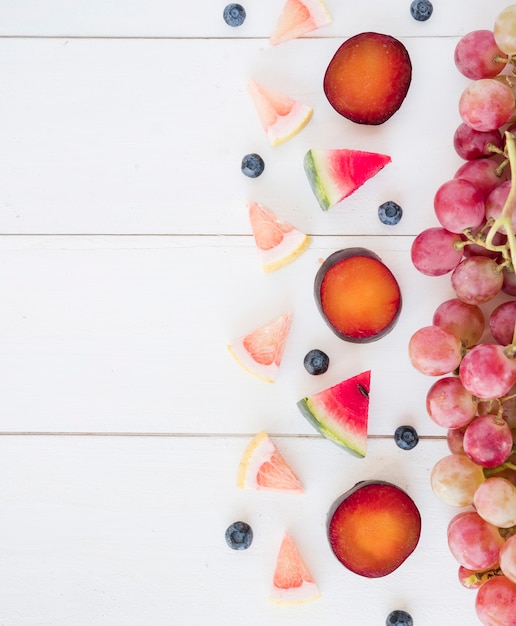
335,174
343,421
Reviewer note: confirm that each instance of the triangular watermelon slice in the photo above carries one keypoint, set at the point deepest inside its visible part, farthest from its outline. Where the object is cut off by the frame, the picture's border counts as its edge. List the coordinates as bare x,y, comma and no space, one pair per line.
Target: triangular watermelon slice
341,412
336,174
281,116
299,17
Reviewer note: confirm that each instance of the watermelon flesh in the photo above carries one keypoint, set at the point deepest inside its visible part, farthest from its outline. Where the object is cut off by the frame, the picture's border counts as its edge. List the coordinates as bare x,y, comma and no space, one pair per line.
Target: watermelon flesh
340,413
335,174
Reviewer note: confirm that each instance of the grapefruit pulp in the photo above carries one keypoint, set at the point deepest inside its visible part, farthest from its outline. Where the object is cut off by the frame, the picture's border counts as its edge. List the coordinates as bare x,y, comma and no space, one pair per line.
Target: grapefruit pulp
281,116
292,583
263,467
279,243
260,351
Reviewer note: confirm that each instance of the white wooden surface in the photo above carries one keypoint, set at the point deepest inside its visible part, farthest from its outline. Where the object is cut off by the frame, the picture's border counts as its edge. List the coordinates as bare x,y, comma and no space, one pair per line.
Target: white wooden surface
127,265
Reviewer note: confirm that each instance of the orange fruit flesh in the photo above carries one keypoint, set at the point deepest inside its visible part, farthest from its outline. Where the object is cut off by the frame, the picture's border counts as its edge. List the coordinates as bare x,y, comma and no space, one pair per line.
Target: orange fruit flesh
359,296
372,541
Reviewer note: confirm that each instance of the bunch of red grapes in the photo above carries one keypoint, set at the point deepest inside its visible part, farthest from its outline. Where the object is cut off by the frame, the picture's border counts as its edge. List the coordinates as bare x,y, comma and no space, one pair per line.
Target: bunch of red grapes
470,347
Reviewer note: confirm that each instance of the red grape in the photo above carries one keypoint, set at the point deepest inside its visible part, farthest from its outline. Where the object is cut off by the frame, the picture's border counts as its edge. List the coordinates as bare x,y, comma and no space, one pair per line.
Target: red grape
465,321
477,279
488,441
486,104
502,322
472,144
458,205
475,55
487,372
434,252
434,351
495,602
449,404
473,542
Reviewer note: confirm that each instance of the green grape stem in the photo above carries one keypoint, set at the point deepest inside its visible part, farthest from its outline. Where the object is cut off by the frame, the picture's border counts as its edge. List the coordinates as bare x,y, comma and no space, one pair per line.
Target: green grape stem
486,235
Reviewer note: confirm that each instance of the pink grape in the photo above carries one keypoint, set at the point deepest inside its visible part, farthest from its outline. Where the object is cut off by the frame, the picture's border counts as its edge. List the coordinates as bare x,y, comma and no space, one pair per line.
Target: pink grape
472,144
475,53
502,322
434,252
504,29
477,279
449,404
475,579
473,542
487,372
488,441
486,104
508,559
455,478
458,205
465,321
434,351
495,602
509,282
483,173
495,502
495,203
455,439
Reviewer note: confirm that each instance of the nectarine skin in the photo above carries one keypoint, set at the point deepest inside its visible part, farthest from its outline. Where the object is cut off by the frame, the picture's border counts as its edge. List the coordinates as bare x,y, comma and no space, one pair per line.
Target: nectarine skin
373,528
368,78
357,295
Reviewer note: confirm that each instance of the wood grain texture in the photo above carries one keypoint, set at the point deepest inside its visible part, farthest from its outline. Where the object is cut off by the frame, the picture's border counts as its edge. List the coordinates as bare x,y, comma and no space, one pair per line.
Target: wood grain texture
127,265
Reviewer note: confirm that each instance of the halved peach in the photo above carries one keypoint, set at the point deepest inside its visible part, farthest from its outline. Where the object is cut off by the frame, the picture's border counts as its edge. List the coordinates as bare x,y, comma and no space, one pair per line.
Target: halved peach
373,528
357,295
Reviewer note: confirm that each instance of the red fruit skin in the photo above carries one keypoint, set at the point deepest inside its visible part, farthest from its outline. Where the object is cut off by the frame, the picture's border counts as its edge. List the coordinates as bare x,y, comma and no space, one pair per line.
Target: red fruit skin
368,78
495,602
373,500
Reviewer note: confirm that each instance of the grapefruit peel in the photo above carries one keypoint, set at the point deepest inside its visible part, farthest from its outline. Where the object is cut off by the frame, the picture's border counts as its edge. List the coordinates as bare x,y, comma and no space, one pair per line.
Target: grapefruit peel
292,582
263,467
299,17
278,242
281,116
260,351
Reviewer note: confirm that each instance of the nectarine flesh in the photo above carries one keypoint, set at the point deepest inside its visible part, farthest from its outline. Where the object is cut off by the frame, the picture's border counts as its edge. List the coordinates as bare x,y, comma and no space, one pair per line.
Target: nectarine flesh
368,78
373,528
357,295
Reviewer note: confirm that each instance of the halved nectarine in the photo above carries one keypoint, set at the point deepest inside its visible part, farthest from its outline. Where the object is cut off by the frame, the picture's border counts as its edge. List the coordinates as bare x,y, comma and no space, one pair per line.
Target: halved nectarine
368,78
357,295
373,528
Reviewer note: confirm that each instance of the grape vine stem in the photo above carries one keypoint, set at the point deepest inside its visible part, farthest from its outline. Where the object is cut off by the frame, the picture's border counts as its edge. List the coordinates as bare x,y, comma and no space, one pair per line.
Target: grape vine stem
504,221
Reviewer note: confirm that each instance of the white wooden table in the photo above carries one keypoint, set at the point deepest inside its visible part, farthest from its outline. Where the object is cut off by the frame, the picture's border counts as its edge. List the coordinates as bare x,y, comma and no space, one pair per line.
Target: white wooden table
127,265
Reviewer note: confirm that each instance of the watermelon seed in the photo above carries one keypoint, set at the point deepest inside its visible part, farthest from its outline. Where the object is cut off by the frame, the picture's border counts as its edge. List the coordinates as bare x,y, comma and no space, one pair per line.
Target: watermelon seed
363,390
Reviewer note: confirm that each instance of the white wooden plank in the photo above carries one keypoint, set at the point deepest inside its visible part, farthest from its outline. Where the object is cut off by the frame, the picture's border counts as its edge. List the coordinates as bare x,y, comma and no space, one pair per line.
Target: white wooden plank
131,530
165,18
125,136
129,334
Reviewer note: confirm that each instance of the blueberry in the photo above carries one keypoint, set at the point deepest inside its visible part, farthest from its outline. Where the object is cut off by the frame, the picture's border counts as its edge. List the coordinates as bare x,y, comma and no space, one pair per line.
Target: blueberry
389,213
316,362
234,14
239,536
421,10
406,437
399,618
252,165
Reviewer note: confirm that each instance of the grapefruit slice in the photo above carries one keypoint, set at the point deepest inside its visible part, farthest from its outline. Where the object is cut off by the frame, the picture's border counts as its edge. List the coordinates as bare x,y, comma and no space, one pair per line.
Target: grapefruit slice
292,582
299,17
260,351
340,413
263,467
335,174
281,116
279,243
